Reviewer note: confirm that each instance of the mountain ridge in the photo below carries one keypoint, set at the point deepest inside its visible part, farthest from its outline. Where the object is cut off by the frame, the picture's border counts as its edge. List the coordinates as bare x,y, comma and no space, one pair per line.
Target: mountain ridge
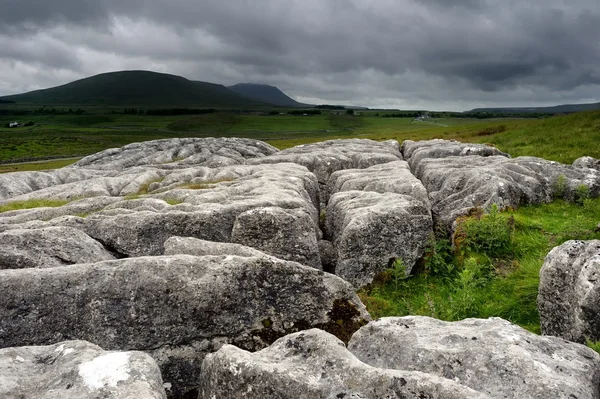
137,88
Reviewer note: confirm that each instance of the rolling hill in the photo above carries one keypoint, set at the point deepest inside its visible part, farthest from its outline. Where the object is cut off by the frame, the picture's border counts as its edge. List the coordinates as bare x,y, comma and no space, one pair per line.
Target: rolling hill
137,89
557,109
266,93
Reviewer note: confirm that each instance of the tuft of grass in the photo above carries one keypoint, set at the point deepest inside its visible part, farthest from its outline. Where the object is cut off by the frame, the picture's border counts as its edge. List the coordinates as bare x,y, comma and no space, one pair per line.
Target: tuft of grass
32,203
173,201
474,284
595,345
205,185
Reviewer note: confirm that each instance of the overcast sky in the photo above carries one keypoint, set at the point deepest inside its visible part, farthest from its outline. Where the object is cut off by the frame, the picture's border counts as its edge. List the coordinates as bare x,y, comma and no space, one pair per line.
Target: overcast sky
409,54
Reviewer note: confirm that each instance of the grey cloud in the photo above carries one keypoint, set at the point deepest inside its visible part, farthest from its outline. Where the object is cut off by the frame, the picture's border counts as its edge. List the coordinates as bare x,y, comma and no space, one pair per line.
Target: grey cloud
485,51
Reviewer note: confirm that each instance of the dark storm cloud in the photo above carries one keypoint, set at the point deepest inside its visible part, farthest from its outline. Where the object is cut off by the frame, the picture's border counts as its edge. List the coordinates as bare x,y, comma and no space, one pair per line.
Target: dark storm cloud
409,52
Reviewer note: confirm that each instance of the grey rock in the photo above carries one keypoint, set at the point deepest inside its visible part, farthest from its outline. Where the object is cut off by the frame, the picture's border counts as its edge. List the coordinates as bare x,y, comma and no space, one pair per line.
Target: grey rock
587,162
314,365
375,216
371,230
49,247
19,183
197,247
177,308
416,151
327,157
392,177
494,356
457,184
77,370
288,234
190,202
211,152
569,291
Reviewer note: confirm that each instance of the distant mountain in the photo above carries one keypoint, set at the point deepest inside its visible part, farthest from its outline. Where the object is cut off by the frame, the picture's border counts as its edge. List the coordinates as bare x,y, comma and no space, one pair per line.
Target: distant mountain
137,89
266,93
558,109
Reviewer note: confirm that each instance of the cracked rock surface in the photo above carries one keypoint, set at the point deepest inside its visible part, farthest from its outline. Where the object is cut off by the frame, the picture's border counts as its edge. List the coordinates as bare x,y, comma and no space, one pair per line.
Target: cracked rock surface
493,356
75,370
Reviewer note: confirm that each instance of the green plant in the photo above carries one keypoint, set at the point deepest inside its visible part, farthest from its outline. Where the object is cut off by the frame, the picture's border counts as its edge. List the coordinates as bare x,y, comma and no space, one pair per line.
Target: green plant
490,234
398,272
560,187
463,299
582,194
595,345
439,258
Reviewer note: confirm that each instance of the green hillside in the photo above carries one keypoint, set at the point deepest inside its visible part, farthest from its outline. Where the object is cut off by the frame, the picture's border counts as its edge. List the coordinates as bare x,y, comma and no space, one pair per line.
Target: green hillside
137,89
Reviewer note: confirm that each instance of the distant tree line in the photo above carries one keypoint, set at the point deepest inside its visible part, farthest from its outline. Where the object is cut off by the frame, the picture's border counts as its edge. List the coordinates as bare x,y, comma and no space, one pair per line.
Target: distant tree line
402,115
305,112
41,111
325,106
7,102
168,111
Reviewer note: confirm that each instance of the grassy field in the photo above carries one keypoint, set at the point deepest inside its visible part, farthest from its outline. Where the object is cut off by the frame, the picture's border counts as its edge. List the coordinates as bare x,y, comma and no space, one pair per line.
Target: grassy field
79,135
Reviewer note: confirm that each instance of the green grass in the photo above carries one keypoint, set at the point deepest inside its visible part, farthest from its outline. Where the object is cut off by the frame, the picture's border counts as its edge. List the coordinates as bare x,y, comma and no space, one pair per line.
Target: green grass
32,203
480,286
79,135
40,165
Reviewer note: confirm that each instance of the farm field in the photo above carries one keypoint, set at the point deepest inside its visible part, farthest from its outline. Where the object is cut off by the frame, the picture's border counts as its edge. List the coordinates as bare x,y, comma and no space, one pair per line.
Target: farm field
66,136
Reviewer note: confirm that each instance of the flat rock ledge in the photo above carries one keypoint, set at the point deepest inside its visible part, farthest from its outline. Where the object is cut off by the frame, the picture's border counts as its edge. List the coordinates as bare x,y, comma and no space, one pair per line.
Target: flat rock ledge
179,152
330,156
177,308
315,365
569,292
76,370
493,356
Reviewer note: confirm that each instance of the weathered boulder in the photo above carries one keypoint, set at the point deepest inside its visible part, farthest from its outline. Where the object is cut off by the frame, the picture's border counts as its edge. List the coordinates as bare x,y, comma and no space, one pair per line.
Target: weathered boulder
457,184
49,247
374,217
493,357
177,308
314,365
288,234
587,162
569,291
77,370
416,151
327,157
211,152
